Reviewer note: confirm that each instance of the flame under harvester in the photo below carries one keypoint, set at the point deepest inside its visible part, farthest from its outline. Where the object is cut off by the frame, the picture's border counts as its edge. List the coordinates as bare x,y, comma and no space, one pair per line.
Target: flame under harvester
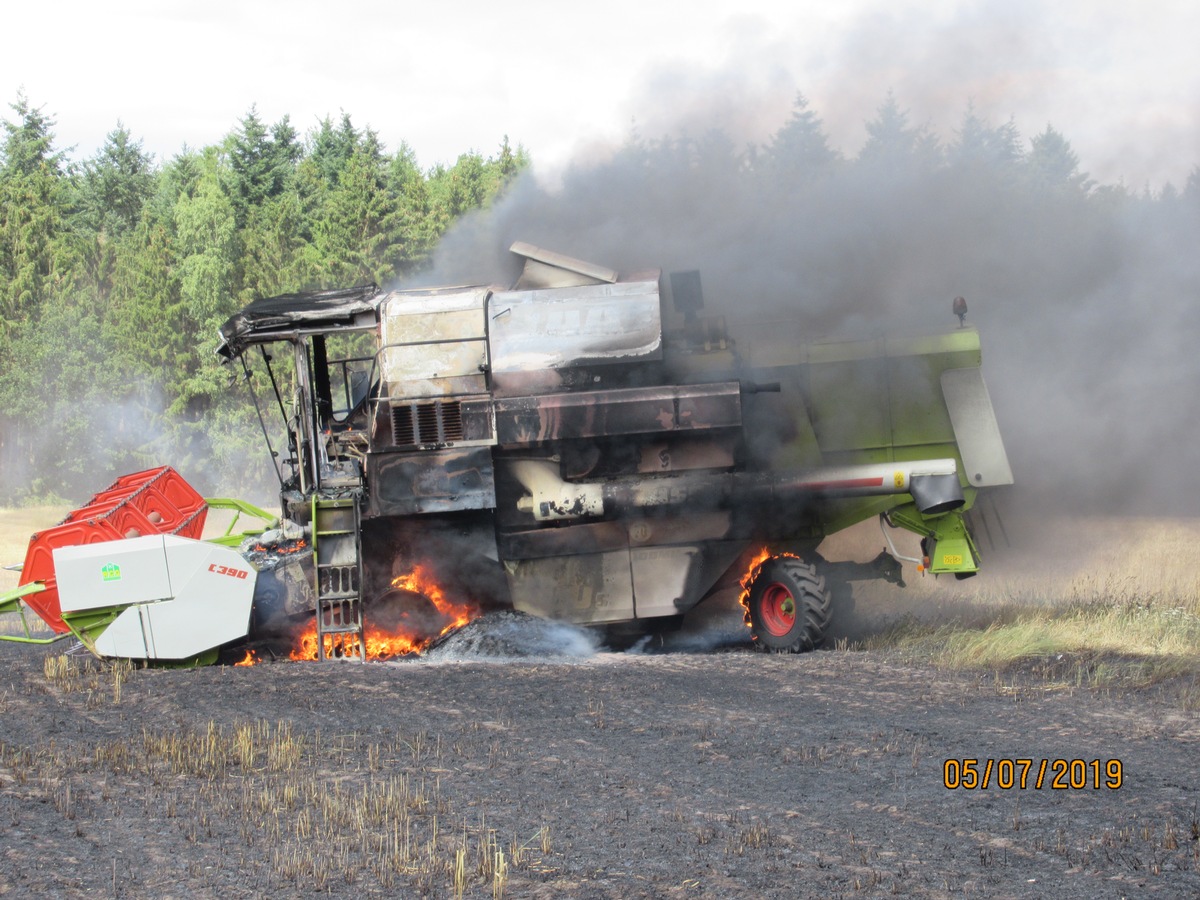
582,448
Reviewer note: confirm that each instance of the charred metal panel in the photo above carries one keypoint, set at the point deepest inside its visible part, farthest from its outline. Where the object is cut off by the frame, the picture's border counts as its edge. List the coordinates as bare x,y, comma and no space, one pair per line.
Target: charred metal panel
275,318
660,580
709,452
709,406
542,381
600,587
697,525
548,268
592,588
561,327
616,535
668,581
433,481
434,343
478,421
542,542
532,420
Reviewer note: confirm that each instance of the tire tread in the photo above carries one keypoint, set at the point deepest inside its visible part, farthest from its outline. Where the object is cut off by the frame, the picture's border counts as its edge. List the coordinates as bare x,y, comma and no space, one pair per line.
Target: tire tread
812,604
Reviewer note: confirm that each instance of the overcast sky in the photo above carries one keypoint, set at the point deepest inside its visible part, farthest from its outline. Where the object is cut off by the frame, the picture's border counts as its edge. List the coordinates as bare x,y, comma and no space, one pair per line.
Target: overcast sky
1120,80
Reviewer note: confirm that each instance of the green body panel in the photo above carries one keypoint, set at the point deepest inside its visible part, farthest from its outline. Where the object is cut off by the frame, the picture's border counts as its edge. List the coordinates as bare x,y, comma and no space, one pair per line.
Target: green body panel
949,545
87,625
880,400
849,403
10,601
240,507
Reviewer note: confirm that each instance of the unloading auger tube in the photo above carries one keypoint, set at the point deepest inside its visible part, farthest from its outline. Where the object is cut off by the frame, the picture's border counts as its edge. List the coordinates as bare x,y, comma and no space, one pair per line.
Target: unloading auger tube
933,484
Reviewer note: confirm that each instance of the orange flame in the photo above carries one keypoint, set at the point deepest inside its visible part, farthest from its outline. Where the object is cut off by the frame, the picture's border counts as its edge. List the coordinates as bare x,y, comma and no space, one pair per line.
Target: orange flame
419,581
250,659
281,549
382,644
748,579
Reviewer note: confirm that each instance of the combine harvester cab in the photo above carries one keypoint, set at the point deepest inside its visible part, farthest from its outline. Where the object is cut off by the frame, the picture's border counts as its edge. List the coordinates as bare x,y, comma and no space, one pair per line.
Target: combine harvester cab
129,577
582,450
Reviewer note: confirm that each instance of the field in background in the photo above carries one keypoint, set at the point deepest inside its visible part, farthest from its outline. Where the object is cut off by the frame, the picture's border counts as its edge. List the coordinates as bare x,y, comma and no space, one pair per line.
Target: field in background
16,525
1104,600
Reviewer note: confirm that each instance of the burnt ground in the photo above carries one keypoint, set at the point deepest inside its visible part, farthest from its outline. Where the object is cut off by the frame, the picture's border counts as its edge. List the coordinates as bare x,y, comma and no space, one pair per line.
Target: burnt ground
720,774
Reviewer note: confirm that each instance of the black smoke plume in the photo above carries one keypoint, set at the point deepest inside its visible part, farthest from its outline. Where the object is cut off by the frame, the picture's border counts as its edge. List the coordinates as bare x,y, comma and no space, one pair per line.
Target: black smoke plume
1086,295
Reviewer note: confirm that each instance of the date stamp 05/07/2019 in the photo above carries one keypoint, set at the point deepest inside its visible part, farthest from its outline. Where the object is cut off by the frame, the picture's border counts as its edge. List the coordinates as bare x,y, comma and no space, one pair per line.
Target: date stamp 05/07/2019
1025,774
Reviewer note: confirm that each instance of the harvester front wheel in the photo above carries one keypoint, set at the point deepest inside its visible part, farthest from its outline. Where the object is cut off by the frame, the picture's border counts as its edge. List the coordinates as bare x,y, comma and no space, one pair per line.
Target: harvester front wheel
789,606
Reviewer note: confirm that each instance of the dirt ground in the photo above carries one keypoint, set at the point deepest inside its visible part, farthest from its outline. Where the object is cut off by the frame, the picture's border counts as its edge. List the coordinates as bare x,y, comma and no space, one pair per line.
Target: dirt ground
721,774
713,772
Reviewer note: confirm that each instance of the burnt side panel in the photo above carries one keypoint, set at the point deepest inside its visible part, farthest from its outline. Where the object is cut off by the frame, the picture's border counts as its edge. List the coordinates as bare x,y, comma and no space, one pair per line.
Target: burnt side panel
433,481
590,414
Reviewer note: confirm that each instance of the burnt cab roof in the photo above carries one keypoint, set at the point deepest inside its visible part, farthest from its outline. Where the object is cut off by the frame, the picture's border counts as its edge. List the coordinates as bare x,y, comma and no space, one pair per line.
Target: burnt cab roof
276,318
273,318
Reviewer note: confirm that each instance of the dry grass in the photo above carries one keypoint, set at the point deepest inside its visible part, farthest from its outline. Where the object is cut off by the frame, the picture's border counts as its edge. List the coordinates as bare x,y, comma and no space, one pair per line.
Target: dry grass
16,526
300,811
1130,632
1107,601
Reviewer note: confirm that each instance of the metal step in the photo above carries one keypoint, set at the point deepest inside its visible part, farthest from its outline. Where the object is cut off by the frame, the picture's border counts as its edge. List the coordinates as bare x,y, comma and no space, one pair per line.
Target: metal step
348,629
338,576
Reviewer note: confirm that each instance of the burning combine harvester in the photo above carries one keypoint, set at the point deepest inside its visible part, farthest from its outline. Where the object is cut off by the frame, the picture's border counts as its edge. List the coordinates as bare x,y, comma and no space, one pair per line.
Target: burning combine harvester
572,447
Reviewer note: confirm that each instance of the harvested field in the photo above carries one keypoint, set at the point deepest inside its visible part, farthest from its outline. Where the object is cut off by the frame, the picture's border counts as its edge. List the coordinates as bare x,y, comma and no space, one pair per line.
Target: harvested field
713,775
582,774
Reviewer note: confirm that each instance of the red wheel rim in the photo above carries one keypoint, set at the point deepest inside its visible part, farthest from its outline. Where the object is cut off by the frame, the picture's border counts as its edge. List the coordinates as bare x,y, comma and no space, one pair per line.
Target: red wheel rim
778,609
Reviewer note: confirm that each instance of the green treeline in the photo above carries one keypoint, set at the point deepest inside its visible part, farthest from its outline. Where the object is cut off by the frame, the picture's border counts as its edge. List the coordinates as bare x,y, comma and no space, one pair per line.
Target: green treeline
115,273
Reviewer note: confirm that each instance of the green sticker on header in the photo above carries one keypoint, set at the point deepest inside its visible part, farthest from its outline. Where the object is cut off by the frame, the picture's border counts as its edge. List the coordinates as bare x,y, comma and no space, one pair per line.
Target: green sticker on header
111,572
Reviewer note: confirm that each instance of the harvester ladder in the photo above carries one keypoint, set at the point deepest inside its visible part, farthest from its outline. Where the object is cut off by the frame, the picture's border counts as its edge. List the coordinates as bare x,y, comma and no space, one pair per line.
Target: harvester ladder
338,570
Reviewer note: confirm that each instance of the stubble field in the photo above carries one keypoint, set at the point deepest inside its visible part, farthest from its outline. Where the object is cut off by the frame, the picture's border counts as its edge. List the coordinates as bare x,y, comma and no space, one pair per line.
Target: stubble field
692,773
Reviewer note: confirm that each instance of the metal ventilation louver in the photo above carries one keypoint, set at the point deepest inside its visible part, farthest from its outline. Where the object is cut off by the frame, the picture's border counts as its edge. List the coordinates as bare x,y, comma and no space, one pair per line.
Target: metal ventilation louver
430,422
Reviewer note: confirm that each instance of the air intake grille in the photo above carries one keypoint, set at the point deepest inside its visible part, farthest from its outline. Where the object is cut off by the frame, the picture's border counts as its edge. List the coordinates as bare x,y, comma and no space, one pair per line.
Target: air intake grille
431,422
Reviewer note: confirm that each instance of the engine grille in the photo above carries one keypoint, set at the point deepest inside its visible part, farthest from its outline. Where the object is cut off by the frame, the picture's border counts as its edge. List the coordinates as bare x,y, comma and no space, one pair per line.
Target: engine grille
430,422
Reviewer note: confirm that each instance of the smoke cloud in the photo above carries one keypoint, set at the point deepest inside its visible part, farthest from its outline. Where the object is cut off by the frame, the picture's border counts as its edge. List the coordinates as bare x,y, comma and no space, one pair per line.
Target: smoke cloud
1086,303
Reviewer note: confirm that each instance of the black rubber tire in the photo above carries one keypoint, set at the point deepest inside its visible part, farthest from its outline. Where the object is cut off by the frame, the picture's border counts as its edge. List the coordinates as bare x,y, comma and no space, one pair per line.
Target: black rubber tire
789,606
407,613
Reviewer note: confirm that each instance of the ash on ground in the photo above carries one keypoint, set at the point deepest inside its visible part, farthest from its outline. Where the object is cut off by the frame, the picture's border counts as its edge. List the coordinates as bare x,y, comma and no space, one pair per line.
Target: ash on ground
508,634
716,625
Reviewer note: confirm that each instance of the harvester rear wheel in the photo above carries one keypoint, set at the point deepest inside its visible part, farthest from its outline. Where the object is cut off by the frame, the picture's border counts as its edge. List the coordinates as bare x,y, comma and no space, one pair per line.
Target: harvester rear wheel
408,613
789,606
